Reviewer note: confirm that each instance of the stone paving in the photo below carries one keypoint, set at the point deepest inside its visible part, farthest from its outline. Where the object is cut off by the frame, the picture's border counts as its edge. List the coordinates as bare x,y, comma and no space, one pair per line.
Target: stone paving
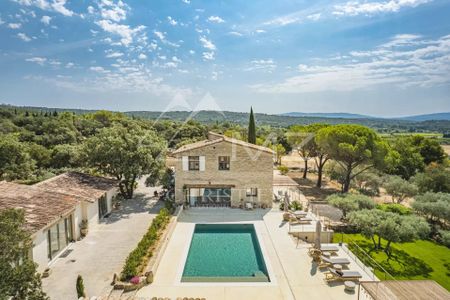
104,250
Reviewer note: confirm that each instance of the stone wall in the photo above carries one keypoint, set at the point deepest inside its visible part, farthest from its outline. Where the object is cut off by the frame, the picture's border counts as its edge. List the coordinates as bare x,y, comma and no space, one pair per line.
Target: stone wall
249,168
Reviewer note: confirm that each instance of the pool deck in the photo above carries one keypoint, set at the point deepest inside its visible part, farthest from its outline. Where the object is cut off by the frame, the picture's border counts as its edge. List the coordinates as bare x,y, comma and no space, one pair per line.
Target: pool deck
292,272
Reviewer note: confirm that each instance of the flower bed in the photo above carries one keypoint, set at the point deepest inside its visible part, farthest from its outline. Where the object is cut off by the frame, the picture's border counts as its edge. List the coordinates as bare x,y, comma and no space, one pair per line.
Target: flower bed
138,258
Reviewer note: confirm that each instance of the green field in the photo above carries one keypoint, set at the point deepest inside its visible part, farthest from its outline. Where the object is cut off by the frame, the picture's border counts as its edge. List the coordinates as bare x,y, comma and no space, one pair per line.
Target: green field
418,260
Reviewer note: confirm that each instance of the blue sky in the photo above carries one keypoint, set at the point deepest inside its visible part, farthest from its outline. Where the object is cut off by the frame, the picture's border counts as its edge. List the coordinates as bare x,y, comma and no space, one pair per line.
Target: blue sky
382,57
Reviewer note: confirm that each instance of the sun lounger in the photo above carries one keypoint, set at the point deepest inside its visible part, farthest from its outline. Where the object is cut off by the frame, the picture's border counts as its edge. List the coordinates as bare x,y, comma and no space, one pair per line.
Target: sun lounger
334,275
329,262
330,248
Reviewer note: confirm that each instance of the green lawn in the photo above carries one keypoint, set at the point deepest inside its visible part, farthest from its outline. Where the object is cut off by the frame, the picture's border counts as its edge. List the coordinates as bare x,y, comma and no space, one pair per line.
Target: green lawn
418,260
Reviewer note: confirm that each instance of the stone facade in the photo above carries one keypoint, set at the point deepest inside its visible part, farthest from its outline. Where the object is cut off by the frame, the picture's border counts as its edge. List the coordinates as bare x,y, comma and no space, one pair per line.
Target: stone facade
250,167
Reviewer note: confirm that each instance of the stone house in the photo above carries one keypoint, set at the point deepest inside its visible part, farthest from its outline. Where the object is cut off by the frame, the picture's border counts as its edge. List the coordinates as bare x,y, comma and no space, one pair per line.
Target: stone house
223,171
55,208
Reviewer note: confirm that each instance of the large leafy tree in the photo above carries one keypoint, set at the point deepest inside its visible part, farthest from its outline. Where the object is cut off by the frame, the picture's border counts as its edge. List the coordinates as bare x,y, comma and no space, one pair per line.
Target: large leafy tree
407,159
392,227
436,178
19,279
429,149
251,128
126,153
15,162
353,147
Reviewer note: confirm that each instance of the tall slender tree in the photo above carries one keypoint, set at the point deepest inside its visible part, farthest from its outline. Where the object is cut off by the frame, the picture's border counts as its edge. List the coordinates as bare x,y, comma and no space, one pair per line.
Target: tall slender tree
251,128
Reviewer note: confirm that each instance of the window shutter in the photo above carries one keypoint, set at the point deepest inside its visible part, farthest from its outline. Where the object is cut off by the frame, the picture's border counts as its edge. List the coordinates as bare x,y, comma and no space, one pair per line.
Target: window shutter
202,163
185,161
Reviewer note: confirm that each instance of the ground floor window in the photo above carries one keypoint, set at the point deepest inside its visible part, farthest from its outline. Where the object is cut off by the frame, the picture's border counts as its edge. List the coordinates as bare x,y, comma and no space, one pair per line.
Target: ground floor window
59,236
252,192
209,196
102,207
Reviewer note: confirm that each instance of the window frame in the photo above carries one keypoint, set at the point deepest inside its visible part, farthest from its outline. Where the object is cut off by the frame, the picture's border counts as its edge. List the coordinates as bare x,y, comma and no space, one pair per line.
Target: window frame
226,162
192,160
251,192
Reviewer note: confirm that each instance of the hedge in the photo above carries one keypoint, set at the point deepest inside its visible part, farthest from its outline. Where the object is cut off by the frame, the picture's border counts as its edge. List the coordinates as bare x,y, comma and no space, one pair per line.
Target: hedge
139,257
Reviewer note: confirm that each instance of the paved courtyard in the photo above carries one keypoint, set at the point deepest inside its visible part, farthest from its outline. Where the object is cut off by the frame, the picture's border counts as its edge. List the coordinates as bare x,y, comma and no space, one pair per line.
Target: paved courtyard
104,250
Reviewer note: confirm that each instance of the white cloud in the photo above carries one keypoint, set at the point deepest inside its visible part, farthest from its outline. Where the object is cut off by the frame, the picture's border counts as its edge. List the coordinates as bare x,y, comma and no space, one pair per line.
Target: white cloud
403,62
160,35
176,59
113,11
14,25
54,5
90,9
354,8
114,54
38,60
125,32
265,65
46,20
1,21
215,19
99,69
171,21
235,33
208,55
314,17
70,65
260,31
192,52
142,56
186,1
23,37
207,43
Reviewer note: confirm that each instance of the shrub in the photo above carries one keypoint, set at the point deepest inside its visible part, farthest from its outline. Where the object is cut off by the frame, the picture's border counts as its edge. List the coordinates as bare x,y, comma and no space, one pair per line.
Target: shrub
350,202
445,237
80,287
294,205
399,188
395,208
283,169
138,258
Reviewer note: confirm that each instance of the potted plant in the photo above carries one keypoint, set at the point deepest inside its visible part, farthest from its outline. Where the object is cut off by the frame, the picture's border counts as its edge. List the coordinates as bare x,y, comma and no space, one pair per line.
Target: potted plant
80,287
84,228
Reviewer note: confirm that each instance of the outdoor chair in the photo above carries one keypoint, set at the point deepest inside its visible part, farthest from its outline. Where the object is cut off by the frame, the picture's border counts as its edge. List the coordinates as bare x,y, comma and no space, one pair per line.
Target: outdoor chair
333,275
248,206
329,262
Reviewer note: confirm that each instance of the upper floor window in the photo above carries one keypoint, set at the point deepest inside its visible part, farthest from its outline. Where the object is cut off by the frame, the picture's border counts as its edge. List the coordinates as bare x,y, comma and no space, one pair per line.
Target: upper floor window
252,192
224,163
194,163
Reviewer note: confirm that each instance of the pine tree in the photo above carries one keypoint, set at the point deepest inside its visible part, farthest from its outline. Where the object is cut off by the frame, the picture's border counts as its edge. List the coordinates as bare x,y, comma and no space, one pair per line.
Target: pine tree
251,128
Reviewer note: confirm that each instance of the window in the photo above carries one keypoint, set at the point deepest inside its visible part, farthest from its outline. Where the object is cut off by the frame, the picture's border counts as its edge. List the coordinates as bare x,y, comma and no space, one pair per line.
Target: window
224,163
252,192
194,163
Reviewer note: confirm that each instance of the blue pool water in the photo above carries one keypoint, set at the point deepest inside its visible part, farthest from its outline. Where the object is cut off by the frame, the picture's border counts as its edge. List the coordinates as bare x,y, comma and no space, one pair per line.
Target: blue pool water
225,252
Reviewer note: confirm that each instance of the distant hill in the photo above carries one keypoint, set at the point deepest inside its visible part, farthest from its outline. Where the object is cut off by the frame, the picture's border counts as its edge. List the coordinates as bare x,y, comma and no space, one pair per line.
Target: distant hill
327,115
241,118
429,117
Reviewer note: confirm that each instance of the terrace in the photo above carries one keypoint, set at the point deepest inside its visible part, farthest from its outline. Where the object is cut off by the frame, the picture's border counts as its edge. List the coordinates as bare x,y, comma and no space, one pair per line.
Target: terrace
292,273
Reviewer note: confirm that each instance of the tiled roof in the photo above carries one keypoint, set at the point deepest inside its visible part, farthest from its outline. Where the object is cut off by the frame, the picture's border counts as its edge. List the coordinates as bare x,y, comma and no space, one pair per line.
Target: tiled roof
89,188
217,138
42,207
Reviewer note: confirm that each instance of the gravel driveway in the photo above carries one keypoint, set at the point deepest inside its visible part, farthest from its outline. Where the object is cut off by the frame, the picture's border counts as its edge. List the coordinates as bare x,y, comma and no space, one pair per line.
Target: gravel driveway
104,250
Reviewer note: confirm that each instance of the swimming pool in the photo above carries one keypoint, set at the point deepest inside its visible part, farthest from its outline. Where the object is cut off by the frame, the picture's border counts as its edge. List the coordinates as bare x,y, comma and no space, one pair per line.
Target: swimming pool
225,253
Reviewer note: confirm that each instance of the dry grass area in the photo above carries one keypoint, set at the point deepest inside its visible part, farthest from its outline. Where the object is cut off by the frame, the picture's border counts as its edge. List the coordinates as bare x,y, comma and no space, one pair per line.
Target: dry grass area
309,189
446,149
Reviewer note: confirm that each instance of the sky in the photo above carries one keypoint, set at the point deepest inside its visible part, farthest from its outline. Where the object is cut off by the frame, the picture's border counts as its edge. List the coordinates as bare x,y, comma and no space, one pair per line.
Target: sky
381,57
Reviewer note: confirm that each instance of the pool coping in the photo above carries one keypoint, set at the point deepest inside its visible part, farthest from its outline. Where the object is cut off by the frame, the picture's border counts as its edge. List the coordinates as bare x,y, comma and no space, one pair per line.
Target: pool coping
267,262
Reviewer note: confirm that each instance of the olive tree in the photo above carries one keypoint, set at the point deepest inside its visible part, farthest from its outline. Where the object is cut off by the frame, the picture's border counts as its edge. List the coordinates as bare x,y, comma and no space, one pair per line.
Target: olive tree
126,153
399,188
19,279
392,227
435,207
350,202
353,147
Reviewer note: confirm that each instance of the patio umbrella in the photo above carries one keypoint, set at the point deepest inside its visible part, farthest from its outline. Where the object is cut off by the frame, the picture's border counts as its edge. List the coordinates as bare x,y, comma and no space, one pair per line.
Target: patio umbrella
286,202
318,232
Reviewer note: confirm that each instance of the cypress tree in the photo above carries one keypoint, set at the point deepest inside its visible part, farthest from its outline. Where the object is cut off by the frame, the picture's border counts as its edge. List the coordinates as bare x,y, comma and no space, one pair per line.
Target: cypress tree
251,128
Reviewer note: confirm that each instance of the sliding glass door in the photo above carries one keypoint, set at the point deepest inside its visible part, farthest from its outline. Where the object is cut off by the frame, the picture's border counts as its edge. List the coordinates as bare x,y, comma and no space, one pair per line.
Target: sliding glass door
59,236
